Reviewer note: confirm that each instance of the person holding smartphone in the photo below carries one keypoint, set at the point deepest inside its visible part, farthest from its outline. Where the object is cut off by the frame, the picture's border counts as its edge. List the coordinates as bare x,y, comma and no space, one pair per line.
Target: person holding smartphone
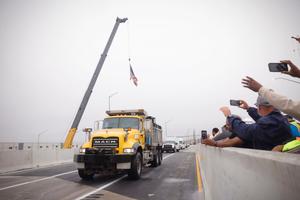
280,102
270,129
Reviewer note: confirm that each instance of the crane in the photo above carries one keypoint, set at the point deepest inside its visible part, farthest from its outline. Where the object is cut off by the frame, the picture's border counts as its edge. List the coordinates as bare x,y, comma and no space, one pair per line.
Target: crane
69,139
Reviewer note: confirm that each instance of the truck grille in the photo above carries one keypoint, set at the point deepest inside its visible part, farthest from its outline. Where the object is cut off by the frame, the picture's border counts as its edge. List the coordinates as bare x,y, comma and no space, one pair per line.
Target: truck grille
111,142
167,146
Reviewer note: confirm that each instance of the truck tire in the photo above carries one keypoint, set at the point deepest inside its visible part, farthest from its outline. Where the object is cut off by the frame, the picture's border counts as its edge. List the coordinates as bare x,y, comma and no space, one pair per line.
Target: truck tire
155,161
160,156
136,167
84,174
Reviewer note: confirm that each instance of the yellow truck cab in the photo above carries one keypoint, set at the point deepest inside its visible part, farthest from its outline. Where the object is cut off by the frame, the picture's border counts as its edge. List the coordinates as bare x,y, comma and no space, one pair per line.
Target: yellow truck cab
128,140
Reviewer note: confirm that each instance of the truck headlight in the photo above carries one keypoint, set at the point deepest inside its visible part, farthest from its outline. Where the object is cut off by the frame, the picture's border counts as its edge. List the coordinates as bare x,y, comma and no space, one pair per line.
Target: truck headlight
128,150
81,150
136,136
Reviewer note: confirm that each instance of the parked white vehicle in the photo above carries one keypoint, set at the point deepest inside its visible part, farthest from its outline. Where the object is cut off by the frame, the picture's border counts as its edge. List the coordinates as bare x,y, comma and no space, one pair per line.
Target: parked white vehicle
177,146
168,146
175,141
181,143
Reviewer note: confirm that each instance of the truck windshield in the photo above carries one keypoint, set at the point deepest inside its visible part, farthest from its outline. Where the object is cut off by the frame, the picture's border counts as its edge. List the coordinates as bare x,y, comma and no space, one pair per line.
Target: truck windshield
121,122
169,142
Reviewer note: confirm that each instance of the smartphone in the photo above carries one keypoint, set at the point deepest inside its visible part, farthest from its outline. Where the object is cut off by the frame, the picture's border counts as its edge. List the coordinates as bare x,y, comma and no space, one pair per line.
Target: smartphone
235,102
203,134
278,67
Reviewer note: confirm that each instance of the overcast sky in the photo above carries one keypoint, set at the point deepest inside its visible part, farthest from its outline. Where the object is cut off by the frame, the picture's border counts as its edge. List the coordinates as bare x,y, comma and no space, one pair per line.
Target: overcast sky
189,57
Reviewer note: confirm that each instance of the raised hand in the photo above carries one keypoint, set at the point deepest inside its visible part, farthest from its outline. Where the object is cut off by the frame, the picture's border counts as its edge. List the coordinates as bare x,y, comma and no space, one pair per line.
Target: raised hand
296,38
244,105
250,83
294,70
225,110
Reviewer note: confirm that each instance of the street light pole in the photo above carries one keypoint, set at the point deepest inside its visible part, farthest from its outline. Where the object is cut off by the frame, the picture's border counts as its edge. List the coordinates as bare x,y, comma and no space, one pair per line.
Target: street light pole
166,127
97,124
113,94
38,146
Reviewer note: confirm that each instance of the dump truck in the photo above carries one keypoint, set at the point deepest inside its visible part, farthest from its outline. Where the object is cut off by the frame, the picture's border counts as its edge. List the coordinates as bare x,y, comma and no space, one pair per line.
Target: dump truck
128,140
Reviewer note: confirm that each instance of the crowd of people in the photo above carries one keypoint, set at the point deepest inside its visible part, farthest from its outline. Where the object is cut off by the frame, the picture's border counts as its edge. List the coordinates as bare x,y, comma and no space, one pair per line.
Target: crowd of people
275,116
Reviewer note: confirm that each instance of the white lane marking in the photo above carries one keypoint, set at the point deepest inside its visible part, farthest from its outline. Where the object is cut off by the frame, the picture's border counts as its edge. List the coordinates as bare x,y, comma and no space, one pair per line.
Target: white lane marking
109,184
101,188
34,168
168,156
50,177
38,180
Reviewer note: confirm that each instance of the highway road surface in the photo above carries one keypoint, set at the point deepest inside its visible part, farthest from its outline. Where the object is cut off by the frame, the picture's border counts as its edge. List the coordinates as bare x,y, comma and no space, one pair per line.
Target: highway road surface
178,178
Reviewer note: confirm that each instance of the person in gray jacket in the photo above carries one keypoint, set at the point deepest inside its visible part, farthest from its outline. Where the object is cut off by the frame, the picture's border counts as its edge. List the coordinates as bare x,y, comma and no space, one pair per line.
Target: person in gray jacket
226,133
279,101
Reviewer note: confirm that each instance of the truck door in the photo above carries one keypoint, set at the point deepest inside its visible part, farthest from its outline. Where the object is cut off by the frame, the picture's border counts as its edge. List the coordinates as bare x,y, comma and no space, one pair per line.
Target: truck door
148,131
142,137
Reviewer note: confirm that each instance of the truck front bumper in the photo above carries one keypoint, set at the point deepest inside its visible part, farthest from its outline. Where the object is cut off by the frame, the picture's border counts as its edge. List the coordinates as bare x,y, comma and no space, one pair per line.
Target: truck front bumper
99,161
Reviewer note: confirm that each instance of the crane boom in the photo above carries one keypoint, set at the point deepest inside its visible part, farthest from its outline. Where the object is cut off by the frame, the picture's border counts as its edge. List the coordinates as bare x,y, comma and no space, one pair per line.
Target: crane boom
69,139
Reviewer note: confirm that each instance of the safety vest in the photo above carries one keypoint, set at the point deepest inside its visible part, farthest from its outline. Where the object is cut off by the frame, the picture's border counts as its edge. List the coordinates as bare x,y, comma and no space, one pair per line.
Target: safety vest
293,145
295,129
296,124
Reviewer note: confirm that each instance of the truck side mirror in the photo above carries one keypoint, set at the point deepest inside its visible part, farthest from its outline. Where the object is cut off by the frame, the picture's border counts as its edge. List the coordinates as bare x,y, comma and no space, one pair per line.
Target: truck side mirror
88,132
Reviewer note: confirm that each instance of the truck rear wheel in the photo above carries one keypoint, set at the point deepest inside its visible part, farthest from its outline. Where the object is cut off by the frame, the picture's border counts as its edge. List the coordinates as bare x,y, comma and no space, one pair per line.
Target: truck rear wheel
160,156
136,167
84,174
157,159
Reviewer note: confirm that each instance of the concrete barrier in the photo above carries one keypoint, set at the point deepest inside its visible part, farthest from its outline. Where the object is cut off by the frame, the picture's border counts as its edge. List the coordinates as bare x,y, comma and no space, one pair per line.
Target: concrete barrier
235,173
17,156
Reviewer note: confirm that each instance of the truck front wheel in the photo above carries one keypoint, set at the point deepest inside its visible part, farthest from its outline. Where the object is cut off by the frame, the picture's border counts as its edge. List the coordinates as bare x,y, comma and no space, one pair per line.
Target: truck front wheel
84,174
136,167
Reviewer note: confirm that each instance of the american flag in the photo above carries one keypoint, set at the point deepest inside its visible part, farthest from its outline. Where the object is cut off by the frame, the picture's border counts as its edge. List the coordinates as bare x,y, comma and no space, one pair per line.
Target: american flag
133,77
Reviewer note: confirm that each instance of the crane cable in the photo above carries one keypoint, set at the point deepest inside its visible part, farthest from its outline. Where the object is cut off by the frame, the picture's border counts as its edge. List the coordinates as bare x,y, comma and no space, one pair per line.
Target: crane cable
287,80
132,75
128,40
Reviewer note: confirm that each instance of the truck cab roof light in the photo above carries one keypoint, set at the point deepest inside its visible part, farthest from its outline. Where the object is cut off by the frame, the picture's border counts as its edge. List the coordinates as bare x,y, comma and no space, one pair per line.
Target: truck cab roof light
140,112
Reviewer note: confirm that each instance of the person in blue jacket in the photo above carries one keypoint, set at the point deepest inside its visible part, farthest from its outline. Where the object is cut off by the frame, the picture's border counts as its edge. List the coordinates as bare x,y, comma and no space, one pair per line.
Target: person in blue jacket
294,126
270,129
